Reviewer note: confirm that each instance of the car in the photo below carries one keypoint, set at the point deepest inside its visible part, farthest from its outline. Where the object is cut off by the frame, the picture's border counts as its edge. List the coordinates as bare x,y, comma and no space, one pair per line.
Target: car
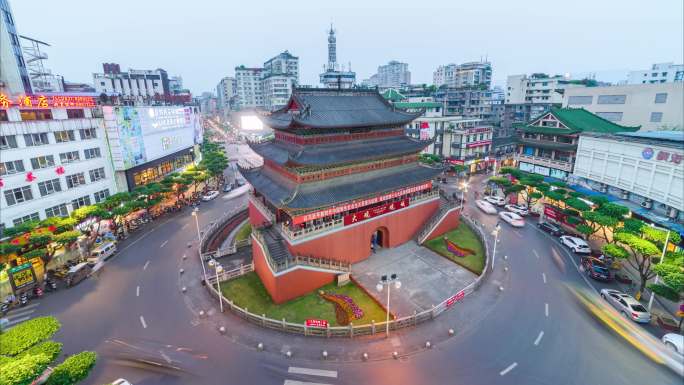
674,341
626,305
518,209
512,219
227,187
550,228
485,206
121,381
596,269
577,245
210,195
240,182
495,200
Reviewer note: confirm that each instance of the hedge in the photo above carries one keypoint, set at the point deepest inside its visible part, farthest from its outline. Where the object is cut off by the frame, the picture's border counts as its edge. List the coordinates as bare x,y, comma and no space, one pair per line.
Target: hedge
73,369
49,348
27,334
24,370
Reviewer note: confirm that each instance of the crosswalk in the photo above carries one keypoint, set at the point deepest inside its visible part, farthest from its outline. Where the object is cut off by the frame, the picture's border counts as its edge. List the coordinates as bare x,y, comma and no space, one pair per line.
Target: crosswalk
313,374
20,314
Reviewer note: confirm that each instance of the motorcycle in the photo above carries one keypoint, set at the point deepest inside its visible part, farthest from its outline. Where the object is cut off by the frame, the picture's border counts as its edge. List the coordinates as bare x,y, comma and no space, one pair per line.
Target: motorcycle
38,292
4,308
50,285
23,299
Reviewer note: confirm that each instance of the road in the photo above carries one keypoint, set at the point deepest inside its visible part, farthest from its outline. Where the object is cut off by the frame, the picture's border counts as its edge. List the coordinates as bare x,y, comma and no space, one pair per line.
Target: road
532,332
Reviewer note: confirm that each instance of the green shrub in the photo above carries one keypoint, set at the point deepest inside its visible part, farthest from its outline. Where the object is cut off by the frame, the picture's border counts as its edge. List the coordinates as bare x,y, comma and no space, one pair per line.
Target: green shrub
49,348
27,334
664,291
73,369
24,370
4,360
35,253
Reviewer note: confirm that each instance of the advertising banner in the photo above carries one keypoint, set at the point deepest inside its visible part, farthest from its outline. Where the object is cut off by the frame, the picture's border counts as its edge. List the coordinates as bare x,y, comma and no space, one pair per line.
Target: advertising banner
455,298
318,323
22,276
375,211
130,136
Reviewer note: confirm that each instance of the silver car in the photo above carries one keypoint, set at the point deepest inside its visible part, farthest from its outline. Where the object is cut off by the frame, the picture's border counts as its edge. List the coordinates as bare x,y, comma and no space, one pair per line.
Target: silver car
626,305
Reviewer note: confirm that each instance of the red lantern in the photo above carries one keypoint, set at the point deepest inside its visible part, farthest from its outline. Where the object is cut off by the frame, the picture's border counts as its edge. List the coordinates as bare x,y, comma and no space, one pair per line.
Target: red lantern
15,241
2,184
30,177
59,170
52,228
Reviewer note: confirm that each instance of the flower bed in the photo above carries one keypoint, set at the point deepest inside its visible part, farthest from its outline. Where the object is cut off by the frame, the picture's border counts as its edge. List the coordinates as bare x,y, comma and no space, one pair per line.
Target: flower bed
346,309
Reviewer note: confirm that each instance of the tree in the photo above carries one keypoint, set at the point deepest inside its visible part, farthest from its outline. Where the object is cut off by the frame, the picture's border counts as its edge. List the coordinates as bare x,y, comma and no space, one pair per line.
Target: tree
637,251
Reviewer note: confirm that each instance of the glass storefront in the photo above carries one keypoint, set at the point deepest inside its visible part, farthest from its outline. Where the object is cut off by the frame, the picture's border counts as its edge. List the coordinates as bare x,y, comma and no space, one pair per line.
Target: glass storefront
157,172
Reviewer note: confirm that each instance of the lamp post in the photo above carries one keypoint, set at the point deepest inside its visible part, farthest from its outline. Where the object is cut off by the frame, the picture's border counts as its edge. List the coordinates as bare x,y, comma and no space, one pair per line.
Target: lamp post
495,233
662,256
385,281
464,190
195,213
218,269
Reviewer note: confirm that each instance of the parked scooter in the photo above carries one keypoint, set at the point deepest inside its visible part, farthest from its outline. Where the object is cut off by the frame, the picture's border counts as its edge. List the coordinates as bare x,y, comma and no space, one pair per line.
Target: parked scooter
38,292
4,308
23,299
50,285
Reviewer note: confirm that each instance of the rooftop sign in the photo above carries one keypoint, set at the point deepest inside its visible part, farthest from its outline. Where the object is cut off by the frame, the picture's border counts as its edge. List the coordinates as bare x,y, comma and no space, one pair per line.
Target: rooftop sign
47,101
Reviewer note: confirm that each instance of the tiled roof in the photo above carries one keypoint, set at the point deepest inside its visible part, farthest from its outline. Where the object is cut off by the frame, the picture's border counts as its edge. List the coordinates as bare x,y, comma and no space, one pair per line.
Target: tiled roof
670,136
315,195
414,105
393,95
334,153
333,108
578,120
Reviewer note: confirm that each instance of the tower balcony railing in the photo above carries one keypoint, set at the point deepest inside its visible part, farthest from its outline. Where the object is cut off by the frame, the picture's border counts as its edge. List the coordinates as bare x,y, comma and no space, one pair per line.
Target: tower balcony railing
546,162
325,226
256,201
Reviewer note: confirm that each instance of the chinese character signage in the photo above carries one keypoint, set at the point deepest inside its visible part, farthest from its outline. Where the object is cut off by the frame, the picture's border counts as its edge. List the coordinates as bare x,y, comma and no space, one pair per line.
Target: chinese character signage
661,155
317,323
455,298
47,101
375,212
22,276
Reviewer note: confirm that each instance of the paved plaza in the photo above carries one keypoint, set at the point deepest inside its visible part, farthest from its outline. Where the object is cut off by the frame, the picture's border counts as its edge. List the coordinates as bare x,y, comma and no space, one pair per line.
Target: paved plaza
426,277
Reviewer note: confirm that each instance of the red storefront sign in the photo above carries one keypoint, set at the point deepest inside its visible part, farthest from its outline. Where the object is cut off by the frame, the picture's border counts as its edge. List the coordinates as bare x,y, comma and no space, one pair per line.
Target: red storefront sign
49,101
317,323
478,143
456,161
375,211
551,212
359,204
455,298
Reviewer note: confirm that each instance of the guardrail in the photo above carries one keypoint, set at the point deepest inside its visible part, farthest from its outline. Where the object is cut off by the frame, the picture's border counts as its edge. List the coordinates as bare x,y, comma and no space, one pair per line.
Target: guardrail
261,207
351,330
211,230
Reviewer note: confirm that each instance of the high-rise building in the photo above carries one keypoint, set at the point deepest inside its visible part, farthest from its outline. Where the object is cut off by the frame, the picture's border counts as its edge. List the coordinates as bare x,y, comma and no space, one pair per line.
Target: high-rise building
659,73
280,76
226,90
391,75
466,75
140,87
334,75
250,87
14,78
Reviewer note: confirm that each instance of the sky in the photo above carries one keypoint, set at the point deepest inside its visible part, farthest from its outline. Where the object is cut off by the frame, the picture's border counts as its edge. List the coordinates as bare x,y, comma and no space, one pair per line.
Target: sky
203,40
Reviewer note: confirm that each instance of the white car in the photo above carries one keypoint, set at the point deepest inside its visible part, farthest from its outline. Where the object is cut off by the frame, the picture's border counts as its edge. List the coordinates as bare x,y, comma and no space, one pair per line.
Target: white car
577,245
485,206
210,195
626,305
674,341
512,219
495,200
121,381
520,210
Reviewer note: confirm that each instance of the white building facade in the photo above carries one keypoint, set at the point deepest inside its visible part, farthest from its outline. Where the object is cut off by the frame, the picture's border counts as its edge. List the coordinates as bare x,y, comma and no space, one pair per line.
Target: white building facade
659,73
537,89
391,75
226,90
136,86
52,161
279,77
652,106
464,75
14,78
250,87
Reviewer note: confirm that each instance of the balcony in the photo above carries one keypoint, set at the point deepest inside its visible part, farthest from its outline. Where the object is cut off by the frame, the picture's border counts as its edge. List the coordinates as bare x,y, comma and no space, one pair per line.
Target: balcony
548,144
546,162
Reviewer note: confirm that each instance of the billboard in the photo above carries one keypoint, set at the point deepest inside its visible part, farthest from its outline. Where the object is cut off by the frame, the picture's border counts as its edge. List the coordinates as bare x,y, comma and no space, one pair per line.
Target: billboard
130,136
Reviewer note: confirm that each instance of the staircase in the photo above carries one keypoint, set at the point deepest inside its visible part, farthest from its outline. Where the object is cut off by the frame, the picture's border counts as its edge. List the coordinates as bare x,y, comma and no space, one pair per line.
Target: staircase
445,207
276,246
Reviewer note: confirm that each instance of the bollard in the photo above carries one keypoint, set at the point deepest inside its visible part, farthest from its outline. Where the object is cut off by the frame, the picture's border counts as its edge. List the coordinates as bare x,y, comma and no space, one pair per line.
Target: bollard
189,245
395,355
428,344
288,354
451,332
364,356
501,288
181,271
222,330
505,256
201,313
325,354
506,268
184,256
184,289
260,346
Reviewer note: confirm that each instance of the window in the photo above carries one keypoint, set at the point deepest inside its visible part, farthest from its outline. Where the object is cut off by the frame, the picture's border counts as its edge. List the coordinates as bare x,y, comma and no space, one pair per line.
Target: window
3,116
49,187
75,114
8,141
12,167
26,218
75,180
91,153
656,117
611,99
18,195
42,162
35,115
36,139
69,157
97,174
88,133
612,116
661,97
64,136
57,211
580,100
80,202
101,195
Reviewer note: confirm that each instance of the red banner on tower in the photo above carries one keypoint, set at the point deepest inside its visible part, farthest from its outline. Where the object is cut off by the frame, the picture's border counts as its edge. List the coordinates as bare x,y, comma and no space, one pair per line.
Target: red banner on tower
375,212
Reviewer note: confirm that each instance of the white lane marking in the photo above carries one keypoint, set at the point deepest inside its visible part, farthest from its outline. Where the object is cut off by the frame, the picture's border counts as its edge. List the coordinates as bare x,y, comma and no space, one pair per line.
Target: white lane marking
312,372
21,309
18,320
293,382
19,313
182,227
546,309
137,291
508,369
164,243
165,357
142,321
146,264
539,337
535,253
544,277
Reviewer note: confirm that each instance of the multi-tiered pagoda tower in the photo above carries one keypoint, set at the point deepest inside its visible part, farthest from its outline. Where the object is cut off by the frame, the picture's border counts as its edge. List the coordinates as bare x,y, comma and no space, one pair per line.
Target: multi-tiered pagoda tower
339,180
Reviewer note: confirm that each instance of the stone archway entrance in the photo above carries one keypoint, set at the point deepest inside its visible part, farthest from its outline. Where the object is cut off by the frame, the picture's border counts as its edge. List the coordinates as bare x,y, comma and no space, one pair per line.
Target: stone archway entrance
379,238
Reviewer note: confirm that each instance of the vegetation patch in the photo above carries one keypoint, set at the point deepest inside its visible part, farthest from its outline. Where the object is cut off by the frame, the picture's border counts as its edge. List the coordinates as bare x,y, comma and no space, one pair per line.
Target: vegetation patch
244,232
465,238
27,334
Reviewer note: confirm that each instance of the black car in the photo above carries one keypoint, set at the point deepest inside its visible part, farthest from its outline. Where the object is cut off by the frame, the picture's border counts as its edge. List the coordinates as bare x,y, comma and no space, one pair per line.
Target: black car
596,269
551,229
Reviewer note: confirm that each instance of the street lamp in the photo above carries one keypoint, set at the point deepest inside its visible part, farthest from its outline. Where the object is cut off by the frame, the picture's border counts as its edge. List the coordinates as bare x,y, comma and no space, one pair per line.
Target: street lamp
385,281
195,213
218,269
464,190
662,256
495,233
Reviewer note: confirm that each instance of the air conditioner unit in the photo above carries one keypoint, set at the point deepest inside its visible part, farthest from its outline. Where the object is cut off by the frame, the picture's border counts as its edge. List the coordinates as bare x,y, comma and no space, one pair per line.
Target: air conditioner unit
603,189
672,213
624,194
647,204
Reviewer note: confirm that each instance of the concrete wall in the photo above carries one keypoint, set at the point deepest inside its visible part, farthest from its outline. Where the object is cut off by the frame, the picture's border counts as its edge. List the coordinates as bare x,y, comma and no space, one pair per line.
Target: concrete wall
449,222
256,218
